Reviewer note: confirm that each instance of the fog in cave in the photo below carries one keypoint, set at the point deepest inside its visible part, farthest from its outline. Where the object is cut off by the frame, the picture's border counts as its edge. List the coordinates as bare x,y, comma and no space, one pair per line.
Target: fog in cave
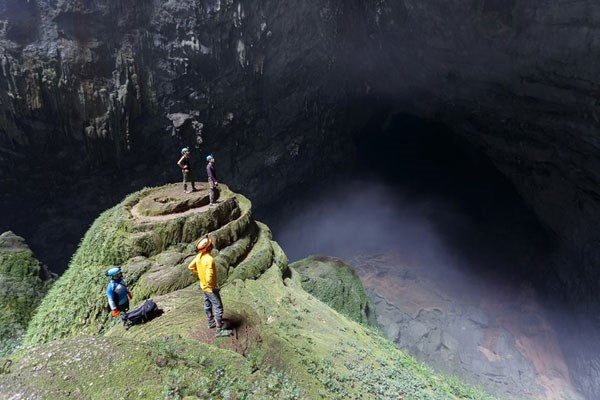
421,193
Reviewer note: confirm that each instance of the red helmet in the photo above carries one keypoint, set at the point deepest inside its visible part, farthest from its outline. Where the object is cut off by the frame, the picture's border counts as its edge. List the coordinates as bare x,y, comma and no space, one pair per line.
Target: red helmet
203,245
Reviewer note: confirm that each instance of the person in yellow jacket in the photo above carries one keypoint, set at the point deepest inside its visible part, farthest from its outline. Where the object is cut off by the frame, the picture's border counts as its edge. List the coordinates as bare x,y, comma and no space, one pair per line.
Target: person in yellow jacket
203,265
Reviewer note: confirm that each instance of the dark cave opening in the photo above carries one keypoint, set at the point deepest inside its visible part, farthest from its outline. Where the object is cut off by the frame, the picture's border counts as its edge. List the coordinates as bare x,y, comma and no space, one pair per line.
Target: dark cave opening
427,194
424,166
425,161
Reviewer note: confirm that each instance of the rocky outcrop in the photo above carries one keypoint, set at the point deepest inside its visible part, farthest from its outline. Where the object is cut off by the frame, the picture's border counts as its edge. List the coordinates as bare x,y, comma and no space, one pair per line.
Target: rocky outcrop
152,235
334,282
269,85
287,343
23,283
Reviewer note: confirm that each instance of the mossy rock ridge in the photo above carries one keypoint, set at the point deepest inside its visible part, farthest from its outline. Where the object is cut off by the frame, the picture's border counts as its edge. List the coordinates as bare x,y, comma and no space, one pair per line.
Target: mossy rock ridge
258,259
299,348
151,238
23,283
287,343
77,305
334,282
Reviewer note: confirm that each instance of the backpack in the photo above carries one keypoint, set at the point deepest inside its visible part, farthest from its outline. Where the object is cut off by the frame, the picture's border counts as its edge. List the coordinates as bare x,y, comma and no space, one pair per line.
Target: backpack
142,314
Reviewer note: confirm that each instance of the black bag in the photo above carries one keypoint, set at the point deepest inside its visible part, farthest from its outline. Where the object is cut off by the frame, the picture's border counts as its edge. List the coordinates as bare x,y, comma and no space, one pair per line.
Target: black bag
142,314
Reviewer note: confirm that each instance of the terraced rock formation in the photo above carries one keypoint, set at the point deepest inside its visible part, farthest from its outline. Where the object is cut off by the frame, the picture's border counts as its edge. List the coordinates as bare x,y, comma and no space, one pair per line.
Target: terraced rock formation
152,235
287,343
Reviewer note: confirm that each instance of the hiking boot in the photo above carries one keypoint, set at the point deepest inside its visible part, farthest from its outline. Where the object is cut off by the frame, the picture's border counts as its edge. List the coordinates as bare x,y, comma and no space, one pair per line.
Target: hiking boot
223,332
211,323
186,191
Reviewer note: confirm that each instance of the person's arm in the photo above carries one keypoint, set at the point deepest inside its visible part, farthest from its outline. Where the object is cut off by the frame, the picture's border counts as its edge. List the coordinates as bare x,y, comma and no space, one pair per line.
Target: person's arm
192,266
110,294
179,163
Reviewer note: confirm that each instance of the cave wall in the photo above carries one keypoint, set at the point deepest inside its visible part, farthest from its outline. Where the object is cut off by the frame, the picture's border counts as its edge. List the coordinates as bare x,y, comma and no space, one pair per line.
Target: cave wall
517,78
271,87
111,80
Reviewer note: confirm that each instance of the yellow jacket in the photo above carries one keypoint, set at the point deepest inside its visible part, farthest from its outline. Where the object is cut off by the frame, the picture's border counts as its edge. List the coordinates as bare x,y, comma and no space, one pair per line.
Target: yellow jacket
203,265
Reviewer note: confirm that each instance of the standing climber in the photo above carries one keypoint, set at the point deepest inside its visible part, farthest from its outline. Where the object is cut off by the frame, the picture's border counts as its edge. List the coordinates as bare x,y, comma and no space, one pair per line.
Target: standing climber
184,164
116,291
212,179
203,265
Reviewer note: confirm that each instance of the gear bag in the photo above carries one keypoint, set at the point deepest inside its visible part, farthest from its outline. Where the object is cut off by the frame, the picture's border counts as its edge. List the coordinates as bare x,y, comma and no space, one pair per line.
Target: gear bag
142,314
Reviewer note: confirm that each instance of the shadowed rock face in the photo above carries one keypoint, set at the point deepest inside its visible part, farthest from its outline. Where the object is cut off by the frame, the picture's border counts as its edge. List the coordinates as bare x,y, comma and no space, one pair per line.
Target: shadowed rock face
269,85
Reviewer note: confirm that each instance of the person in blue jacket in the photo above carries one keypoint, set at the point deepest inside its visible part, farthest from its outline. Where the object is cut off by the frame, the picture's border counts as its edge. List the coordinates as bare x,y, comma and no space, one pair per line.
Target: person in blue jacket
116,291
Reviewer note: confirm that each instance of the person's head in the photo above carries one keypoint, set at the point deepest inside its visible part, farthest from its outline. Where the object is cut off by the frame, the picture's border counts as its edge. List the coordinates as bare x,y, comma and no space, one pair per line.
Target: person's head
210,158
114,273
185,151
204,245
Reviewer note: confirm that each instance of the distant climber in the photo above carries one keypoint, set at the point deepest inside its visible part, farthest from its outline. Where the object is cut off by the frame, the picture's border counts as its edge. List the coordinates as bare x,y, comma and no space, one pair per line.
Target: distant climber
116,291
203,265
184,164
212,179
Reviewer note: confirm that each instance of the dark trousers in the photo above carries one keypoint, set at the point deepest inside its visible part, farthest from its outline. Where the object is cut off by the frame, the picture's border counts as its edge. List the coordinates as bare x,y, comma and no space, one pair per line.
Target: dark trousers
213,192
123,307
213,306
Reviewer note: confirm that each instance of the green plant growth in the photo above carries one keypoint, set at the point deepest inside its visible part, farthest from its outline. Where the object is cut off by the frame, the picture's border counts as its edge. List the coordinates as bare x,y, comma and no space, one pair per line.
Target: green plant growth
119,236
93,367
294,345
334,282
23,283
328,355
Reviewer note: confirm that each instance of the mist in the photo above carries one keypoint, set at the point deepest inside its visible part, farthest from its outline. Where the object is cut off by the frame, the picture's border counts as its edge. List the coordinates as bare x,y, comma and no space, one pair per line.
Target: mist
435,228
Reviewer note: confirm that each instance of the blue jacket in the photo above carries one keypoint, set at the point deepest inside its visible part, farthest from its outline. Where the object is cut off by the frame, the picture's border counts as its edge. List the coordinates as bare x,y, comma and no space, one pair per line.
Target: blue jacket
116,291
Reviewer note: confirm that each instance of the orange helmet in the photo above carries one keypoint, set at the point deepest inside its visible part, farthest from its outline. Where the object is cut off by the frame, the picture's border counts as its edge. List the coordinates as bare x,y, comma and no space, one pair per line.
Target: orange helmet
203,245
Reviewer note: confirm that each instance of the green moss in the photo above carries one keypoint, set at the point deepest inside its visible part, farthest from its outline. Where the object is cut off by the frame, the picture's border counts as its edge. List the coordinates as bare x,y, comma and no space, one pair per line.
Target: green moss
114,238
258,260
334,282
91,367
328,355
294,345
23,283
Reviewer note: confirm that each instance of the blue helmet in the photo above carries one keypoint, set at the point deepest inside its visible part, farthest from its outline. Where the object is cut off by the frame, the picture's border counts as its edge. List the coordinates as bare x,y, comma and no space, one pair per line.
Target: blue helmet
113,271
185,150
209,157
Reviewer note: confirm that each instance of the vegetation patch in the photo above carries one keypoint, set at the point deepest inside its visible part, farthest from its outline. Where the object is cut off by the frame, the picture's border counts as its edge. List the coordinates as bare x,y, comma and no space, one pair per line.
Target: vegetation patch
23,283
169,367
335,283
287,343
